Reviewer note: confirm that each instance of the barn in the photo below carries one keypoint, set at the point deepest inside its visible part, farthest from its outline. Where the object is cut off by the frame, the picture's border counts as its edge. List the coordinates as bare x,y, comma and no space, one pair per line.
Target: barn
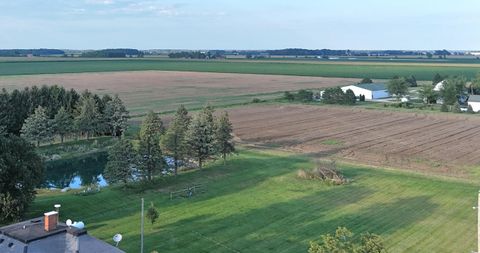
474,102
369,90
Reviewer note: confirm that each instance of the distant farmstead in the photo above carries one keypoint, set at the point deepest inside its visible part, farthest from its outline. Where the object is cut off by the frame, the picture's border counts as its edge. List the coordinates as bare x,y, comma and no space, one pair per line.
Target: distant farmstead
371,91
474,102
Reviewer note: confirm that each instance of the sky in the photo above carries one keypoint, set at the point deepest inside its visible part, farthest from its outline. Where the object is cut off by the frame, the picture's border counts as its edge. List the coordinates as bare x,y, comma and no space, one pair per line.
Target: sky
240,24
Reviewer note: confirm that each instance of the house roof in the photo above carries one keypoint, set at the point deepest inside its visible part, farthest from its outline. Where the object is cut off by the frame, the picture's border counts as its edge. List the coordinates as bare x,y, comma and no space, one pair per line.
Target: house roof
372,86
474,98
30,236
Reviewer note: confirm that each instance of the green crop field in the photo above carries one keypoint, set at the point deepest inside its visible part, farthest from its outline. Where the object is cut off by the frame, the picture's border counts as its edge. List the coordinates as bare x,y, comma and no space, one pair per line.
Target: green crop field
377,70
256,204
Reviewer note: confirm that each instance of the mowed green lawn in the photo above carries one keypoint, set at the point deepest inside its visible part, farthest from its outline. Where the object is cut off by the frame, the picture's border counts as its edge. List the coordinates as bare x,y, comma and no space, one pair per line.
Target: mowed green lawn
256,204
301,68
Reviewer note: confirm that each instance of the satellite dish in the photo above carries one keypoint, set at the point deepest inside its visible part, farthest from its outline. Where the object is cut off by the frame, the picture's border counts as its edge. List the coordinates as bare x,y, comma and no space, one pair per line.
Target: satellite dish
68,222
79,225
117,238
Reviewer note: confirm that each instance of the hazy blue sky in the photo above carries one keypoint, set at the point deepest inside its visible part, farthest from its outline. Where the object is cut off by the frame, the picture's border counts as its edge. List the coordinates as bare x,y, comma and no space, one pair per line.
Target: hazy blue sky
240,24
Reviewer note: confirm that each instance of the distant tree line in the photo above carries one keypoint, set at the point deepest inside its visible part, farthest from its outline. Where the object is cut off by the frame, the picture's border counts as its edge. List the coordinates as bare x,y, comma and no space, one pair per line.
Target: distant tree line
197,55
26,52
113,53
39,114
200,138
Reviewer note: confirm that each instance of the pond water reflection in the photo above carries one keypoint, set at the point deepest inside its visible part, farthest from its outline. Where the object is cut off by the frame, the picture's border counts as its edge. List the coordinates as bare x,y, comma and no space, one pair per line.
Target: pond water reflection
76,172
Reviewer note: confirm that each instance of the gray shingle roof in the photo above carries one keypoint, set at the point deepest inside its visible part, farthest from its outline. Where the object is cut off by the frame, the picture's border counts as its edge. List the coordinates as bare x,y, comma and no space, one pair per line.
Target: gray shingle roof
474,98
372,86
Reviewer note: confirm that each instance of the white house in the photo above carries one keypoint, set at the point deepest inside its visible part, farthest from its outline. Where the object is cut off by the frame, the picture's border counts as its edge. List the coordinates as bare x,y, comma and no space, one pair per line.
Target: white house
369,90
439,86
474,102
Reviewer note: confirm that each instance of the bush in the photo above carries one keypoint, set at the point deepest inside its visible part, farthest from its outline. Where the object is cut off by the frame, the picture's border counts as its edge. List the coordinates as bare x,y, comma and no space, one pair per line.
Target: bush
444,108
470,109
288,96
456,108
256,100
361,98
327,172
304,96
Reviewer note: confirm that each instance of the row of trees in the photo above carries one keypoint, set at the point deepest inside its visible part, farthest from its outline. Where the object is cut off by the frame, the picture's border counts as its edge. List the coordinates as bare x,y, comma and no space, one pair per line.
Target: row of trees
337,96
89,116
201,138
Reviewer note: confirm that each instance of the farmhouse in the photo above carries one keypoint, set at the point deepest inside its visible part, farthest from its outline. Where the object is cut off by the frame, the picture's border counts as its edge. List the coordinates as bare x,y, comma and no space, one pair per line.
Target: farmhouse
474,102
369,90
46,234
439,86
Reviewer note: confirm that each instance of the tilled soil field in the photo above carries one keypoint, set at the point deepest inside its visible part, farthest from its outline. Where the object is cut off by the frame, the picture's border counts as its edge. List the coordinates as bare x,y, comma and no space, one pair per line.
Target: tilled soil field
436,143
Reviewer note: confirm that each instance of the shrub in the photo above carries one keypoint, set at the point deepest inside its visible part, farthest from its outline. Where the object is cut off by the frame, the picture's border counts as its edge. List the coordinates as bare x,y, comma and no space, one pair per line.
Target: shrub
470,109
288,96
304,96
456,108
256,100
444,108
326,172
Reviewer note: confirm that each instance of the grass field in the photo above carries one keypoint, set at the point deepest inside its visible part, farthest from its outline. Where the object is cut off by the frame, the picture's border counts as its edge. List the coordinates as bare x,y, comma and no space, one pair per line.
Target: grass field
256,204
377,70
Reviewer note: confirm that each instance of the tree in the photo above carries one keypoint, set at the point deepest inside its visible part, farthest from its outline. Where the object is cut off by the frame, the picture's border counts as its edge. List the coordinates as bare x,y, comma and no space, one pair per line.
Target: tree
444,108
88,119
37,127
121,160
289,96
62,123
437,78
152,213
173,142
398,87
223,137
456,108
200,136
349,97
333,95
151,155
304,96
449,93
366,80
427,94
429,55
475,85
470,109
116,116
343,242
21,171
412,81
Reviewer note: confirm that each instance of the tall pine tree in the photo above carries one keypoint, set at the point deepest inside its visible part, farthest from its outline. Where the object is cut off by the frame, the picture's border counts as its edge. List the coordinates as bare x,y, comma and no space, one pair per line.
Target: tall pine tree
88,119
223,137
121,158
201,136
37,127
151,159
63,123
173,142
116,116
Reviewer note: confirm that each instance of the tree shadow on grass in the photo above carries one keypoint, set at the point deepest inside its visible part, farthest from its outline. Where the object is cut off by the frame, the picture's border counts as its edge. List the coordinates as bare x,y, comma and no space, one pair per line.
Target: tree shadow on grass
269,229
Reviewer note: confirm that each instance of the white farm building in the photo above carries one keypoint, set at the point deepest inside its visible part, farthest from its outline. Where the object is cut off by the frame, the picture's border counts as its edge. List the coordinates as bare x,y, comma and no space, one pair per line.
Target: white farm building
369,90
474,102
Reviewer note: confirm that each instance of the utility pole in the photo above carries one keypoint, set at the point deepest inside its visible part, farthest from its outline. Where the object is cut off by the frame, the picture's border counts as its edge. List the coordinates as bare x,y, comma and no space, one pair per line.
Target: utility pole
141,233
477,207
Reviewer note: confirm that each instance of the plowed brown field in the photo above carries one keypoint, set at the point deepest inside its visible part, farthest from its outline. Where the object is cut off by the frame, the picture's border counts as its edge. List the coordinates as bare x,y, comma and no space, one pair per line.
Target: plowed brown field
441,144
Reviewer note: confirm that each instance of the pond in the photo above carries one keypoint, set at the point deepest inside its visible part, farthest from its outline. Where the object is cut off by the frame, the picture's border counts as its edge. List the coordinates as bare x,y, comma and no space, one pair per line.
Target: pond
76,172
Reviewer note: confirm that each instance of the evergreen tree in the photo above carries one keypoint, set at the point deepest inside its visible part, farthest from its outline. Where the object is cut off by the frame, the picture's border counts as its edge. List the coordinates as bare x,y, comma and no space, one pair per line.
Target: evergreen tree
21,171
223,137
173,142
366,80
200,136
121,159
152,213
116,116
88,118
350,98
63,123
437,78
37,127
151,155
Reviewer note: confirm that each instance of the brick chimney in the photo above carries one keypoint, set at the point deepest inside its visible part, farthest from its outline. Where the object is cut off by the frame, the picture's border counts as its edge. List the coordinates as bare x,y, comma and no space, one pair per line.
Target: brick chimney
51,220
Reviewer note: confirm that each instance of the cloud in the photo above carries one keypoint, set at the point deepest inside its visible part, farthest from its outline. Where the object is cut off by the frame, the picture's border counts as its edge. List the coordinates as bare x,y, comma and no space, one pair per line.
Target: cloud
104,2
